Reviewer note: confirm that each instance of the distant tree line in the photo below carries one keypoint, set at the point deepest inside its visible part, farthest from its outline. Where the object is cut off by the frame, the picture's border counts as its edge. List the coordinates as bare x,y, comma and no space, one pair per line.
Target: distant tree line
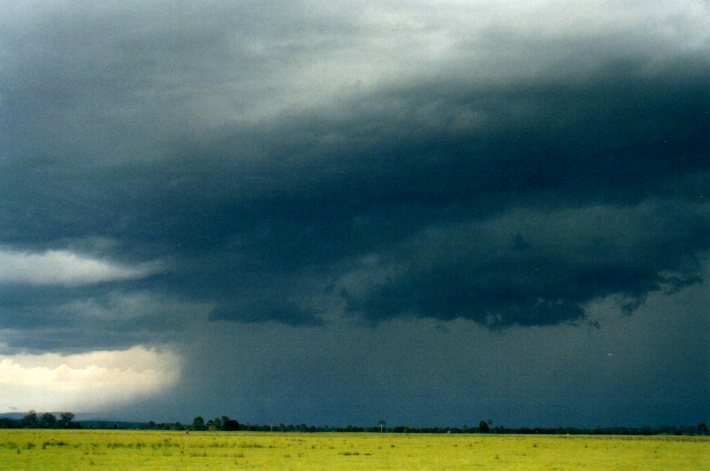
65,420
484,427
32,419
222,423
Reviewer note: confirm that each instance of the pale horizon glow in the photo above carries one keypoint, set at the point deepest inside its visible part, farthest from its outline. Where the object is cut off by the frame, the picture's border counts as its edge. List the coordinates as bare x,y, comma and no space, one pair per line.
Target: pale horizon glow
84,382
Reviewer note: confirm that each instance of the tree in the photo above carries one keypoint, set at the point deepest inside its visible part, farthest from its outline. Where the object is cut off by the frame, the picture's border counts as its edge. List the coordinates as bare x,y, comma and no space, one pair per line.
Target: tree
198,423
48,420
483,427
223,420
230,425
30,420
381,424
65,419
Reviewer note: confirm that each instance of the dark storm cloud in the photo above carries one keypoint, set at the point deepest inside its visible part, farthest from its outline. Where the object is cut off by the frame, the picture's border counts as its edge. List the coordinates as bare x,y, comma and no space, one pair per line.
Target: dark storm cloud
532,268
289,166
624,154
79,319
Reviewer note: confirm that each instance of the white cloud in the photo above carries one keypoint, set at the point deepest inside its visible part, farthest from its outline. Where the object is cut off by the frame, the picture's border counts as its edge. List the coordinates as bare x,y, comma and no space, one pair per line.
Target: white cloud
63,267
84,382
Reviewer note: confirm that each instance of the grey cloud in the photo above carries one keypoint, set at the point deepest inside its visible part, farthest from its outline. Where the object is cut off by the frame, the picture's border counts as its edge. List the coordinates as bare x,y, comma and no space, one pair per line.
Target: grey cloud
81,319
535,268
544,145
211,144
78,81
328,201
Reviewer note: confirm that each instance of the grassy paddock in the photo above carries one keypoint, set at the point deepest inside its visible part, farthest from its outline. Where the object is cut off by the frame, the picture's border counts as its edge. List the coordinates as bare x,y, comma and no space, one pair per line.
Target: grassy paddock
140,450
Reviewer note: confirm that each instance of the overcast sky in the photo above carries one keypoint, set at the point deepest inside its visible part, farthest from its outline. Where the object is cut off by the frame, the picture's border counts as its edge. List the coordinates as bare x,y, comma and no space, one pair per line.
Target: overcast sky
427,212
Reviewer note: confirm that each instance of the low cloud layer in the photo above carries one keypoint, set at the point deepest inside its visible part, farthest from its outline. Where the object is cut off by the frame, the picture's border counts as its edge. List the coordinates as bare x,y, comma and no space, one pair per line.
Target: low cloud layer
63,267
533,268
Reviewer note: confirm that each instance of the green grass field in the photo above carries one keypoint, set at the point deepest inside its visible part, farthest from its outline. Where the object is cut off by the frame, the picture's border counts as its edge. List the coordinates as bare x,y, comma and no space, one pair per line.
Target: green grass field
112,450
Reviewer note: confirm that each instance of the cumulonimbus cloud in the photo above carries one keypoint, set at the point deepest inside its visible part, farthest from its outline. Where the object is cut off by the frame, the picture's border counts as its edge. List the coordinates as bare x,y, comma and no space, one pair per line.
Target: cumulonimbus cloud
63,267
83,382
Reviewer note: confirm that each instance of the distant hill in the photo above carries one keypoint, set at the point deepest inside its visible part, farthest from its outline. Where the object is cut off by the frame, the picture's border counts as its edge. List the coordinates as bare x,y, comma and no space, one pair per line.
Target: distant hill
13,415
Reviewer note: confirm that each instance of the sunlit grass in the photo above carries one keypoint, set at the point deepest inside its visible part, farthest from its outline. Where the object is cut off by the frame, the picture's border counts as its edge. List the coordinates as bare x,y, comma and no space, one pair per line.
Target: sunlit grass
140,450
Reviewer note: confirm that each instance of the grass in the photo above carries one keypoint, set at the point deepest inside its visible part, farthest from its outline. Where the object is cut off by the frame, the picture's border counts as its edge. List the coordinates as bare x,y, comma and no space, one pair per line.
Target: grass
139,450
